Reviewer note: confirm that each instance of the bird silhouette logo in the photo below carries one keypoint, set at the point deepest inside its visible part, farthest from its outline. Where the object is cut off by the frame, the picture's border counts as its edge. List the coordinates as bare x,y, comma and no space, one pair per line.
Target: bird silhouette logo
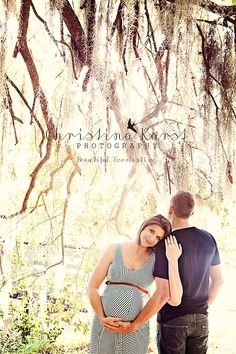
131,125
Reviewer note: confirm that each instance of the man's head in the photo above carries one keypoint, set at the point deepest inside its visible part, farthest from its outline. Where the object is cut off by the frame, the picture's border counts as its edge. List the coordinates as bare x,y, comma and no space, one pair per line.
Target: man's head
181,205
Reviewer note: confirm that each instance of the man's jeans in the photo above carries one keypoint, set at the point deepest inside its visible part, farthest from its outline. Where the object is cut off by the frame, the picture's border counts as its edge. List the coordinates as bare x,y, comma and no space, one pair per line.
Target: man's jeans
186,334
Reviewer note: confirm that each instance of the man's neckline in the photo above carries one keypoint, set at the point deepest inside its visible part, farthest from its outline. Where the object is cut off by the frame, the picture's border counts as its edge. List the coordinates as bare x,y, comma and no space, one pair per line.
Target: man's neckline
182,228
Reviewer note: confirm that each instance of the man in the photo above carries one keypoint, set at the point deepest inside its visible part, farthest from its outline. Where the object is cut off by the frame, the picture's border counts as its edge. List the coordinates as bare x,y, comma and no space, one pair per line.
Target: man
183,329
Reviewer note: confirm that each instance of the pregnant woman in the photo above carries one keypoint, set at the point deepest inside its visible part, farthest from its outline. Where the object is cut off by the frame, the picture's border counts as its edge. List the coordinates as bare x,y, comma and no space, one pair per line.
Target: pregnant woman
128,270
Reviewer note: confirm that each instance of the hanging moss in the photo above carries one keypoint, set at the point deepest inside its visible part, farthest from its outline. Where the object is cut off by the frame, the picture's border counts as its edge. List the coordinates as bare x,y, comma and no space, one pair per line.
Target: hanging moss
56,4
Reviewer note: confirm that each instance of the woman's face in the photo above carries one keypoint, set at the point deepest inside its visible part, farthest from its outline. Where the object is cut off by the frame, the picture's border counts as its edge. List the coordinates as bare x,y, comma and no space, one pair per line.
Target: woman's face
151,235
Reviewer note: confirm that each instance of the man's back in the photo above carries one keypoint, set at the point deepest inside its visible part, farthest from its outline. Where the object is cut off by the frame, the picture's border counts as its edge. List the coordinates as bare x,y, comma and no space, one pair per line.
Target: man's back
199,254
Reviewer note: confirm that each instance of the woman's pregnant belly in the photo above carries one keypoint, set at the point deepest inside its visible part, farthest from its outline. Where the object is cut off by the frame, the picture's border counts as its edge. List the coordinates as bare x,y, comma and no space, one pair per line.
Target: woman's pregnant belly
121,301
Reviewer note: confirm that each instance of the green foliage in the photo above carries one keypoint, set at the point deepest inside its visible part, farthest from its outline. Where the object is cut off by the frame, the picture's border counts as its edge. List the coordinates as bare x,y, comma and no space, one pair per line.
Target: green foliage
148,205
30,334
35,342
27,335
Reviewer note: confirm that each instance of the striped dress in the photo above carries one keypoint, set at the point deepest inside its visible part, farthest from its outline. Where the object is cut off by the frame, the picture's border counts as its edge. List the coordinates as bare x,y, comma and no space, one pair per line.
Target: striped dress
125,302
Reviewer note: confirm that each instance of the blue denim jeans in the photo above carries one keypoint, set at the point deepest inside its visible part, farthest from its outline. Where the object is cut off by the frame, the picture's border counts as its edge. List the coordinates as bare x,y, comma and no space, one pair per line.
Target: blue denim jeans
186,334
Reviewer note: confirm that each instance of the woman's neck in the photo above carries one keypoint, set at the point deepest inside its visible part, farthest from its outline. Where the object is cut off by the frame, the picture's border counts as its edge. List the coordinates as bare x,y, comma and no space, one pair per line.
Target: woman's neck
139,249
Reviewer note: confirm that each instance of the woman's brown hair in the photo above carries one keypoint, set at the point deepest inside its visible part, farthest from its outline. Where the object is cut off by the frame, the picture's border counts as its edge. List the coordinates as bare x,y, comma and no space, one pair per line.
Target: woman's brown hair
158,220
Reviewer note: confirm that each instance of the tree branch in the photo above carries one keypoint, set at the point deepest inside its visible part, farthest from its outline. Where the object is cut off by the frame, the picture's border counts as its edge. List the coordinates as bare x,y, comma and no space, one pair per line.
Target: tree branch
72,58
46,26
91,21
50,186
22,48
117,24
10,108
76,31
33,115
223,10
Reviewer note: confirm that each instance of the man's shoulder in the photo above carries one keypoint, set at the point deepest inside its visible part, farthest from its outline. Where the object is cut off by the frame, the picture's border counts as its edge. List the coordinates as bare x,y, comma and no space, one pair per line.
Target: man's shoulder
193,233
160,247
205,233
197,230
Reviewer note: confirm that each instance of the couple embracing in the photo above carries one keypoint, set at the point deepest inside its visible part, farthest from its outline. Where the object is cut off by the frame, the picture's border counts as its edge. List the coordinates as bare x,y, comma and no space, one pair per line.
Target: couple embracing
185,263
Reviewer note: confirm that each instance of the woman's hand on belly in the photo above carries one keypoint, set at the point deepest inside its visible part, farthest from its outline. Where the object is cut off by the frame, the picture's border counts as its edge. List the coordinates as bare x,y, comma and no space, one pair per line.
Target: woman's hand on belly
110,321
123,327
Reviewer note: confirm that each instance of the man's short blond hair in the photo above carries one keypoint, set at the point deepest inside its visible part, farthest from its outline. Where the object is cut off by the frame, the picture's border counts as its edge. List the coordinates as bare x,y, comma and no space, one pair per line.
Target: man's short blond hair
183,204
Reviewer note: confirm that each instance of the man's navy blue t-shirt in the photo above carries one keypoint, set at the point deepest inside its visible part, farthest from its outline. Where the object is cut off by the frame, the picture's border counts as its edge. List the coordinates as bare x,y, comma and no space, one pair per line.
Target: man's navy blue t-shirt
199,253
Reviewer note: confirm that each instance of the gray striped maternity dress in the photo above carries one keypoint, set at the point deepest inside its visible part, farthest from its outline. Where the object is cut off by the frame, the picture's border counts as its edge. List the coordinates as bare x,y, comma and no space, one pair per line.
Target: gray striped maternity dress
125,302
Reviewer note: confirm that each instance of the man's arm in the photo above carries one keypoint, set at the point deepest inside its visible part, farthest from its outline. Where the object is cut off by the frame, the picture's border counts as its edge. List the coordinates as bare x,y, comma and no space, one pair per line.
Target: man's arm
216,282
154,304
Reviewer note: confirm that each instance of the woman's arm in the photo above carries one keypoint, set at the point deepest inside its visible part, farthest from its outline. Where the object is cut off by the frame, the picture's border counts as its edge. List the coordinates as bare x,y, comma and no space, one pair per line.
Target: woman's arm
96,279
173,252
